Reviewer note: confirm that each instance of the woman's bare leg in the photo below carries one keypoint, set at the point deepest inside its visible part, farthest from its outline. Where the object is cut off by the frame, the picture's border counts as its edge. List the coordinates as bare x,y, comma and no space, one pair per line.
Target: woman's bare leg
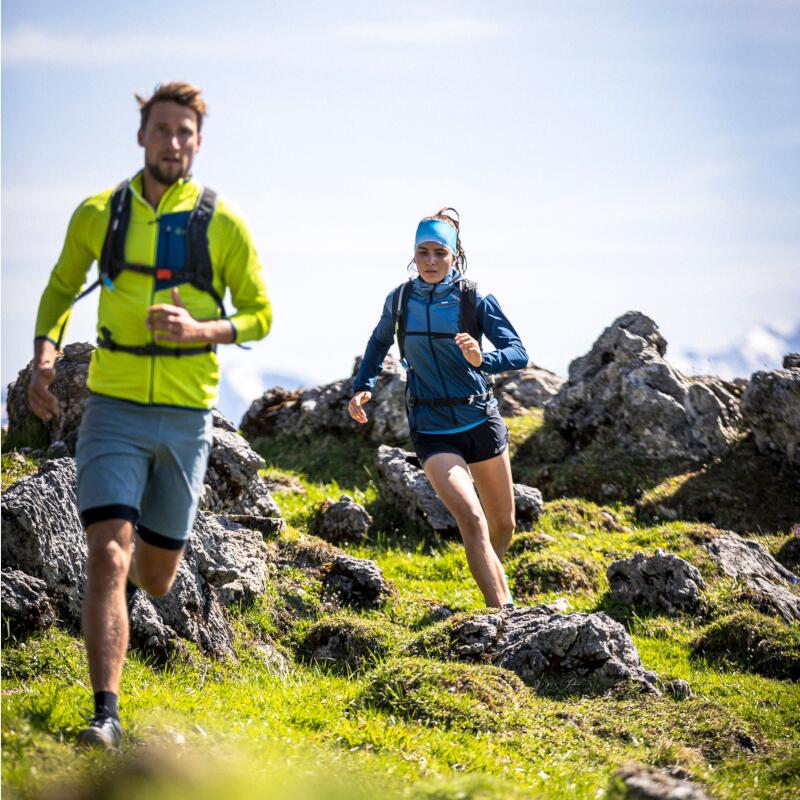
496,492
450,477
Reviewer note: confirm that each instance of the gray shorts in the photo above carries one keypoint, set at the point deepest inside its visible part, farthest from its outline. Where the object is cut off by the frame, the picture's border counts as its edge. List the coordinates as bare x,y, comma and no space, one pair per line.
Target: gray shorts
142,463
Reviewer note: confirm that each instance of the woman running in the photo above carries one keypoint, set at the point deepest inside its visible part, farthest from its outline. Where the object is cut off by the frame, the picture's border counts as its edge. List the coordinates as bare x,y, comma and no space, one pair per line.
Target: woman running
458,434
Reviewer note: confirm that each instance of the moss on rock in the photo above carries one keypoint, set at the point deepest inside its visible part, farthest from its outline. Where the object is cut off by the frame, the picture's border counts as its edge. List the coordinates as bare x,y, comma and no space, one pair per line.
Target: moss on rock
580,515
466,696
532,541
760,644
533,574
348,644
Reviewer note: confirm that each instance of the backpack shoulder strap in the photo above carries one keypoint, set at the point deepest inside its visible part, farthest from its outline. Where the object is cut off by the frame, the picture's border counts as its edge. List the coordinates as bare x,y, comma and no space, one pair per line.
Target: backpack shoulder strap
113,252
468,313
199,257
399,309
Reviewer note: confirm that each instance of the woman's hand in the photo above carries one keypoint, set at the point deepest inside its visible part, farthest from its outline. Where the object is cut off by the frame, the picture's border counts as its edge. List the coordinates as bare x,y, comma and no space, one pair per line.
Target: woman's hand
355,406
470,349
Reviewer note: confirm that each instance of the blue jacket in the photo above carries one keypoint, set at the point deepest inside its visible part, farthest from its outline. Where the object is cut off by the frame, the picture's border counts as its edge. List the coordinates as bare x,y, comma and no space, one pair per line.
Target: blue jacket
436,367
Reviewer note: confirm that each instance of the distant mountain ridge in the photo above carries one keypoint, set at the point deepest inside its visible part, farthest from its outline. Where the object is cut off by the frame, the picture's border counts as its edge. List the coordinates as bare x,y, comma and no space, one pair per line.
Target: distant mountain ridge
762,347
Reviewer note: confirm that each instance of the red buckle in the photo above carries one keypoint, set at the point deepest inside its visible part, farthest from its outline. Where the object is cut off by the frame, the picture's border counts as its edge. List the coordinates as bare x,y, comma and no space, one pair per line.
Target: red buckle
163,274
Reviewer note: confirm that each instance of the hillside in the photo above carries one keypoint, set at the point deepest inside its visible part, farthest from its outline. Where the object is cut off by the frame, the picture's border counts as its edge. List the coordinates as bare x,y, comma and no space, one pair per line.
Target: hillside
399,685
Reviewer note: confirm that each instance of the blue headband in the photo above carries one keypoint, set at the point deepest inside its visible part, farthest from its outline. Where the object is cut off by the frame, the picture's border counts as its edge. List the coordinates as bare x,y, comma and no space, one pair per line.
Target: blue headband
434,230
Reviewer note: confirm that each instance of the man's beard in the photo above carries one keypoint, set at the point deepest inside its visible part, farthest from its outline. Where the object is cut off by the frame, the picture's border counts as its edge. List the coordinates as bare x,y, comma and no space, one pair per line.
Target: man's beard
166,179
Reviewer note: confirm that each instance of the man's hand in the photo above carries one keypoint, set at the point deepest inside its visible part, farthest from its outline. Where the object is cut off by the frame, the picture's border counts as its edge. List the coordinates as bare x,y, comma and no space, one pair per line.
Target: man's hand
470,349
355,406
174,323
41,400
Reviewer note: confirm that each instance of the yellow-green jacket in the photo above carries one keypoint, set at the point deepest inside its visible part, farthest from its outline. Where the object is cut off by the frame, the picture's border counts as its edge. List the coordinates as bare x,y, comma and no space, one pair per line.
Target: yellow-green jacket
156,237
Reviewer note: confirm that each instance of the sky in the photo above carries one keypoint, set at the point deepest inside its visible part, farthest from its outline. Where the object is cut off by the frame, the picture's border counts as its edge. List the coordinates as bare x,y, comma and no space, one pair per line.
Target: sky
604,156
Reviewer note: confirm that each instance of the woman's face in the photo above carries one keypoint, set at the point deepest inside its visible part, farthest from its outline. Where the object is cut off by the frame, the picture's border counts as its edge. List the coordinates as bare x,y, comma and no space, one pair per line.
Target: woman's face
433,261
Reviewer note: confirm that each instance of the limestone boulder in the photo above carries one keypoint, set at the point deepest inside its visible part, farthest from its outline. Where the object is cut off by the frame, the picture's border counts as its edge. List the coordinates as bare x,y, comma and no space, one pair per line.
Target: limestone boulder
584,650
639,782
355,582
324,409
624,394
341,521
771,407
24,601
771,587
662,582
69,387
519,390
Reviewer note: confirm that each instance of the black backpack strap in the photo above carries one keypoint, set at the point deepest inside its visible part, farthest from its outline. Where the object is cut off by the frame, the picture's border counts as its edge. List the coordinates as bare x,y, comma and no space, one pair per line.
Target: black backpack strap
399,309
113,252
198,256
106,342
468,313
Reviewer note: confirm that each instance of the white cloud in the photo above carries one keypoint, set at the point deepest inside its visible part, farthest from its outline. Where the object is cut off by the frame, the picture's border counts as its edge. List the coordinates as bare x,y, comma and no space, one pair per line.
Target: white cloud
442,30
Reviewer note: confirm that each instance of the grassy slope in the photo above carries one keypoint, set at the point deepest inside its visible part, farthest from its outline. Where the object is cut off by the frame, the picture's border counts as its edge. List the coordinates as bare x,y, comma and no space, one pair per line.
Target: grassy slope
246,730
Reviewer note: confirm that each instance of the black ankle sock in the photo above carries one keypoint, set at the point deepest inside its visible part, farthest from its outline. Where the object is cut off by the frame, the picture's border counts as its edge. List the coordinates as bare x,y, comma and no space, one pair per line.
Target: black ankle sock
105,705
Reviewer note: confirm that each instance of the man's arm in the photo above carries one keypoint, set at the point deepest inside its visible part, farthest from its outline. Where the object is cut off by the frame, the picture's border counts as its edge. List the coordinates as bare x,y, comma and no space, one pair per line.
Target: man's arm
55,307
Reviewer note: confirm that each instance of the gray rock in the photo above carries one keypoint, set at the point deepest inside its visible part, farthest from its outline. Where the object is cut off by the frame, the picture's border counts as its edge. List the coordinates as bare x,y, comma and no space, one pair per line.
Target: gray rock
43,535
324,409
791,361
69,387
221,421
624,394
224,563
771,587
340,522
662,582
232,483
638,782
25,605
519,390
405,485
356,582
677,688
590,650
771,406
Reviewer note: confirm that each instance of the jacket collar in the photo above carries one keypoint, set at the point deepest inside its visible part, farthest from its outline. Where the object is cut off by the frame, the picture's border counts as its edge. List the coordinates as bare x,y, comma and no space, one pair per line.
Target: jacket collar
182,189
440,289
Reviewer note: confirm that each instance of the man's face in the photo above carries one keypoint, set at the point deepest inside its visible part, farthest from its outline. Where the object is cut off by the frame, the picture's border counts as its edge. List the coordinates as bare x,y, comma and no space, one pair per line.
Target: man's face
170,141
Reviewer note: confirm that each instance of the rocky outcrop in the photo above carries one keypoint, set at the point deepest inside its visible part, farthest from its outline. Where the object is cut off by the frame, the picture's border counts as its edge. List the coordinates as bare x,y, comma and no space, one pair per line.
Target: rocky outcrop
324,409
662,582
638,782
586,650
405,485
771,407
340,522
355,582
624,394
520,390
789,554
224,563
25,606
771,588
69,387
232,484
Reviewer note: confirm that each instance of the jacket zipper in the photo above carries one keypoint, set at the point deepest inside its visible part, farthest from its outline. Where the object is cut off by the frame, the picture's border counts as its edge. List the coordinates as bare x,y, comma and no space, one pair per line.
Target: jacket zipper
433,353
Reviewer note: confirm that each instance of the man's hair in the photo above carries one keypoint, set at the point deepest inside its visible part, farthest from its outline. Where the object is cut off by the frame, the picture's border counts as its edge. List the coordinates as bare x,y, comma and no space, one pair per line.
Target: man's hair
180,92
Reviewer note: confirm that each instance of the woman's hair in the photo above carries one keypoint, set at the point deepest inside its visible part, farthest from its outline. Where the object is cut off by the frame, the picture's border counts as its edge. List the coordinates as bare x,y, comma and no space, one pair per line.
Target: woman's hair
451,217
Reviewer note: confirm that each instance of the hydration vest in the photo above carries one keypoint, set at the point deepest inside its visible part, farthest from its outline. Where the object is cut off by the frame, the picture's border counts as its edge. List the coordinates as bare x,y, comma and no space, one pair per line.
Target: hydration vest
467,323
197,270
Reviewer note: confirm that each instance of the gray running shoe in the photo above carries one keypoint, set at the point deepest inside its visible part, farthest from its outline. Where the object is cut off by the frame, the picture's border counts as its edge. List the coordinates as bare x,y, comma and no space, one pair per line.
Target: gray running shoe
102,732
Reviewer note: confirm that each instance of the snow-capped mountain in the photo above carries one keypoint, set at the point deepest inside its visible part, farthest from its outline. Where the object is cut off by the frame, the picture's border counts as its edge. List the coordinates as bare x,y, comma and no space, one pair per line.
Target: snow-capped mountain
761,348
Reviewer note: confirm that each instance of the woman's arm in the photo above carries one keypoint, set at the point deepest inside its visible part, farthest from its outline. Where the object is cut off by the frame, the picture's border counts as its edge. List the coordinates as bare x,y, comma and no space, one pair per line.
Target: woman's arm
510,352
377,348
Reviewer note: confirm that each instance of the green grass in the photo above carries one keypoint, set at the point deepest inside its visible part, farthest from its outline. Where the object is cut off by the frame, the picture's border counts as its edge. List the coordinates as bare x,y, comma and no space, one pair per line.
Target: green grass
394,722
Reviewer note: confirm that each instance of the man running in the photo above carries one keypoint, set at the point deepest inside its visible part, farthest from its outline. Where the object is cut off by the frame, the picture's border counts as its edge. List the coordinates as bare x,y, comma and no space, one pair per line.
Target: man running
167,250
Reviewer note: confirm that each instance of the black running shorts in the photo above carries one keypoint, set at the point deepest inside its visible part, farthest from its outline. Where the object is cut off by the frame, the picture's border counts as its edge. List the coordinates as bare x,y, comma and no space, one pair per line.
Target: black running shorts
484,441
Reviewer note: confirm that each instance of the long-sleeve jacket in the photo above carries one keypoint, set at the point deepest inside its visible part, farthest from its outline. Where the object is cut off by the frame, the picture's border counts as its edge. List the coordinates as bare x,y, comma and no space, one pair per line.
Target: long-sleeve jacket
156,237
436,366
